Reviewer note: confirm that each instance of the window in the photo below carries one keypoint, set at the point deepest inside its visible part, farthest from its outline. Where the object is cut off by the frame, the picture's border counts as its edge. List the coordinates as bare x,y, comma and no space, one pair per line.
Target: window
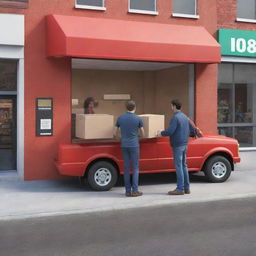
236,107
185,8
14,3
143,6
91,4
8,75
246,10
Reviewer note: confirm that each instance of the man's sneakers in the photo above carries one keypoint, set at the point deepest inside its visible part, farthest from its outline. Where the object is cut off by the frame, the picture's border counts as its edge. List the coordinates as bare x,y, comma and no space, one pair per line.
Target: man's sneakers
133,194
174,192
178,192
137,193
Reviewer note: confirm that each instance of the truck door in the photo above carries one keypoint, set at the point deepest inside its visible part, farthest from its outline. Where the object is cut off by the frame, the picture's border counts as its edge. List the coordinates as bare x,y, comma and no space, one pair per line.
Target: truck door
148,155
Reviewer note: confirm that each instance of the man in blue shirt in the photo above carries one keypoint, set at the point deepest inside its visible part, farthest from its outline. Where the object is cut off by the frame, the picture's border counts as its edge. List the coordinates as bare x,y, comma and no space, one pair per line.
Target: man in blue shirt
130,124
179,130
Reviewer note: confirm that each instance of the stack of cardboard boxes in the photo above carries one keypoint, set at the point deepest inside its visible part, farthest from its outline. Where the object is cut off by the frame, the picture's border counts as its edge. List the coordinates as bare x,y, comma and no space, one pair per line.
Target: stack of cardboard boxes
101,126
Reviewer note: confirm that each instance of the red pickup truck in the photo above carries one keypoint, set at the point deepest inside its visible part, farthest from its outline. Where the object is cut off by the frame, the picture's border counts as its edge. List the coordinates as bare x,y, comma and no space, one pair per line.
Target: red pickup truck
100,163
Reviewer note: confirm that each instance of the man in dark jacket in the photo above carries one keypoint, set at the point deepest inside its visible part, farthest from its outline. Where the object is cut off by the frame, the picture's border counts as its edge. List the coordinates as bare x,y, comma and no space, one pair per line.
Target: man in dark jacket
179,130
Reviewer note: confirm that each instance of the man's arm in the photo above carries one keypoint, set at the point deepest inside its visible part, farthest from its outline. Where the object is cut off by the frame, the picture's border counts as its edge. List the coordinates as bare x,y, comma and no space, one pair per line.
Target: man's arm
192,128
171,129
142,132
116,132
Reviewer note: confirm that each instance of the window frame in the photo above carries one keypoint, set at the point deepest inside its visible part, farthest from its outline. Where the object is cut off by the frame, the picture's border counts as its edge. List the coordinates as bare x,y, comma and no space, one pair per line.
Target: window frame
185,15
246,20
14,4
138,11
91,7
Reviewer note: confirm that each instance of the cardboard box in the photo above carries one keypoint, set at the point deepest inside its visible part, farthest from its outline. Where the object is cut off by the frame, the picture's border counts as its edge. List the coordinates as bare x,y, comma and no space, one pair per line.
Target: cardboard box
94,126
152,124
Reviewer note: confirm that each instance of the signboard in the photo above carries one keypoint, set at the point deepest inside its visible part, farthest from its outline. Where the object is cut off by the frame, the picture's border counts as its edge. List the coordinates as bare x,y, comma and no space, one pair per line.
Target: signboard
237,42
44,116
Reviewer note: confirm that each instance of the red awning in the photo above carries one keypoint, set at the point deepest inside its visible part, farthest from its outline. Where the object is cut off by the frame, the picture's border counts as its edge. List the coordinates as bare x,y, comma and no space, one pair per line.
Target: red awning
101,38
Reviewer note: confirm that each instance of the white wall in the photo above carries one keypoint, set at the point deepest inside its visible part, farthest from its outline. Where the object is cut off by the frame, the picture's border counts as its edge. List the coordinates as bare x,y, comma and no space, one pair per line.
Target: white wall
12,29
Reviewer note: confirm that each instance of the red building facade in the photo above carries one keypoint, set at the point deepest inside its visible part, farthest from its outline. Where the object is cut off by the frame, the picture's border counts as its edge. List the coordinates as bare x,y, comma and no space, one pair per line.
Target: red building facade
51,76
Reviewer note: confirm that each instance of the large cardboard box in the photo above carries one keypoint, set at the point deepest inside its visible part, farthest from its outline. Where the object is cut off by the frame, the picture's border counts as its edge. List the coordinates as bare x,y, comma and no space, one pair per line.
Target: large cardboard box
152,124
94,126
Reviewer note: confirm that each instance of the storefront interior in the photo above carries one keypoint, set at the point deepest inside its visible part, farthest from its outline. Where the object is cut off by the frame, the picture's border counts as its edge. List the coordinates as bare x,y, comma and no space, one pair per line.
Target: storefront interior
236,107
151,85
8,120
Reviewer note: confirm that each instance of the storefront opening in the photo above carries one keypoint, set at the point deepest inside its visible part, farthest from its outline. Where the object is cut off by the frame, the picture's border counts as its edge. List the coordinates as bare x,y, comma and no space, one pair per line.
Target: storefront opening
151,84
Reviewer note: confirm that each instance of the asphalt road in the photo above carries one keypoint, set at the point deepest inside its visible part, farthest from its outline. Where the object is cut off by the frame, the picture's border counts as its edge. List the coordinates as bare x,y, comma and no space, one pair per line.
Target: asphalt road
200,229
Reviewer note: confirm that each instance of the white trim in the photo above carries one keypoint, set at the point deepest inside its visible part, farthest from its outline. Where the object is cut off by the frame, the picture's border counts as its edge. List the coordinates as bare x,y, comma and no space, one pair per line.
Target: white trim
89,7
246,20
142,12
238,59
11,52
12,29
20,119
247,149
138,11
189,16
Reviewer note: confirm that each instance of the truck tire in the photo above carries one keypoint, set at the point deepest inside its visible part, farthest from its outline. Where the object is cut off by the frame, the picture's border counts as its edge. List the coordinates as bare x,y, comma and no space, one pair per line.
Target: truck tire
102,176
217,169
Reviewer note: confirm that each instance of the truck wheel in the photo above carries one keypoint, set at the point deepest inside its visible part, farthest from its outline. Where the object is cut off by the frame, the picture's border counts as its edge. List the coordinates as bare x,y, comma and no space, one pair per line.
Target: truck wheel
102,176
217,169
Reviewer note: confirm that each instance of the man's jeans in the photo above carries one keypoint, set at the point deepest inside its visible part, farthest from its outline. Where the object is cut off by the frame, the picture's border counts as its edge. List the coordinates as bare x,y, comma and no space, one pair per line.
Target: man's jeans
131,156
179,154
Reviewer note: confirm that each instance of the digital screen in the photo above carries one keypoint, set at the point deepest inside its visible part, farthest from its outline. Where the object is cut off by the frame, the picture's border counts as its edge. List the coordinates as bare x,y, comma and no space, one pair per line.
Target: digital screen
42,103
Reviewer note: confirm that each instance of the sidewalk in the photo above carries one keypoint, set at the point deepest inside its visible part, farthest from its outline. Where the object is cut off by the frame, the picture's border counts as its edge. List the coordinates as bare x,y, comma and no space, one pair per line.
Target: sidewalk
29,199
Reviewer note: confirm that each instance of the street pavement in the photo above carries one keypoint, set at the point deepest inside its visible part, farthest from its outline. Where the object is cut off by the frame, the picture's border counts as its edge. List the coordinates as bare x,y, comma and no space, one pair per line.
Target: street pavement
28,199
219,228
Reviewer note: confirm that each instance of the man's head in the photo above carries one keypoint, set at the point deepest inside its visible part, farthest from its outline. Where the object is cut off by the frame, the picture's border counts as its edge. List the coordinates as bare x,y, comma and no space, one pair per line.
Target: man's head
90,102
130,105
176,105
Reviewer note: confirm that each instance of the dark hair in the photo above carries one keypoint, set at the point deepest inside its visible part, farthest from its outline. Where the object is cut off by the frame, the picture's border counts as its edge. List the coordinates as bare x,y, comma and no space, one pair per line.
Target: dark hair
88,101
177,104
130,105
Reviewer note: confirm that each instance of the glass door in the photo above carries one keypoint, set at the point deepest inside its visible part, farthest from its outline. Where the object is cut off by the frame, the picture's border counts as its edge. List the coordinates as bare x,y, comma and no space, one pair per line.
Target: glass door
8,133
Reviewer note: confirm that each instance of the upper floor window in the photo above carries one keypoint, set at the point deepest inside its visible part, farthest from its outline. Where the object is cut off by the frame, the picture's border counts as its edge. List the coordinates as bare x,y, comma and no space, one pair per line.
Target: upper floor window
91,4
246,10
185,8
143,6
14,3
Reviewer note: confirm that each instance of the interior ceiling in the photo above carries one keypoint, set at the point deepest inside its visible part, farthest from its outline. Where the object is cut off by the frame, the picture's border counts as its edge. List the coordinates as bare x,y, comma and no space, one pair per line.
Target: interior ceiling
121,65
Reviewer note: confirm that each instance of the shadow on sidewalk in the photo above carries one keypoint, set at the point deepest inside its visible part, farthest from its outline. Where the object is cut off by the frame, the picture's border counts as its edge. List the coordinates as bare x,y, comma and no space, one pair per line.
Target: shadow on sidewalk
75,185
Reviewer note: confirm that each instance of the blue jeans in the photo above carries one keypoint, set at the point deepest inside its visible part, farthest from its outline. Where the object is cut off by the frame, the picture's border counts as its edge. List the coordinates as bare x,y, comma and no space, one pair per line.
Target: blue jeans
179,154
131,156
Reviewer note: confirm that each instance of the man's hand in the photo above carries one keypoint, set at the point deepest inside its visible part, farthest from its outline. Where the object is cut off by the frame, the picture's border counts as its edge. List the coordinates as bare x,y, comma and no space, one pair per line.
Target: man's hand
158,134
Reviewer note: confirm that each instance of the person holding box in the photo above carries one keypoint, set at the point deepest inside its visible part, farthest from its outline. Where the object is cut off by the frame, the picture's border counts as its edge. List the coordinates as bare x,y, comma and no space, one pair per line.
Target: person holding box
179,130
130,124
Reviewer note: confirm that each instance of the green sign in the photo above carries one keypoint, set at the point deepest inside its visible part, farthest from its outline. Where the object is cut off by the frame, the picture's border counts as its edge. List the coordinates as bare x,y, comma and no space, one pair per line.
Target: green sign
237,42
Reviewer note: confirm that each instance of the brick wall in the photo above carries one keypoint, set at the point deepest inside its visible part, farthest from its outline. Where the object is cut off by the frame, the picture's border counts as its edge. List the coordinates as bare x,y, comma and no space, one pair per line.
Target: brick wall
227,14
